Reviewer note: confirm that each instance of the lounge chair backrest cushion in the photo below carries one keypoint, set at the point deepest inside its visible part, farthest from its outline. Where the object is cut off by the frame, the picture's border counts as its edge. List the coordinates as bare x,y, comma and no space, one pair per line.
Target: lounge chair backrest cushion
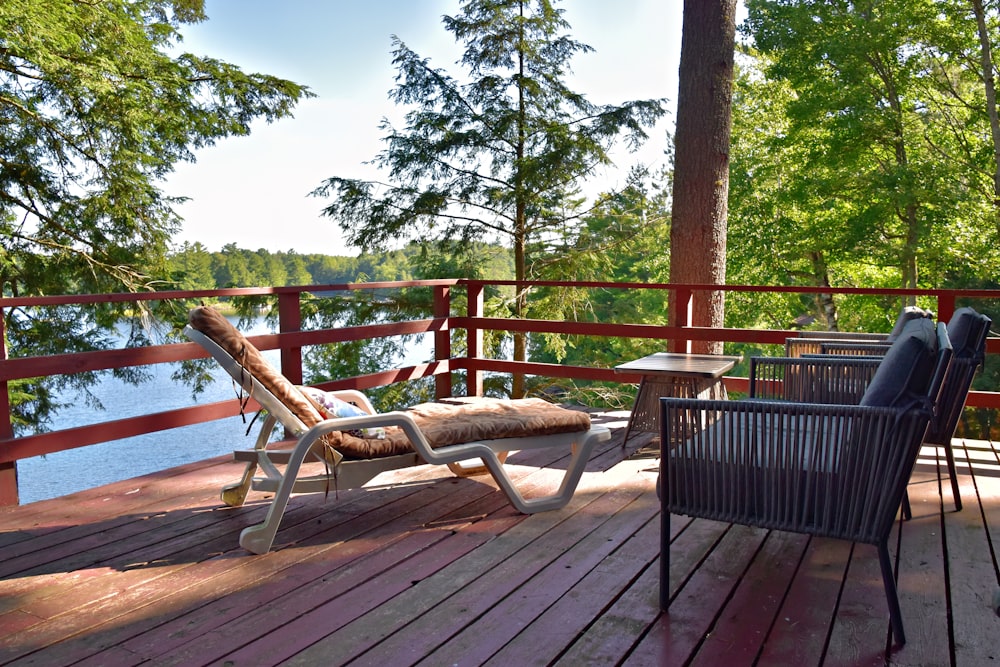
214,325
905,315
441,424
967,330
904,375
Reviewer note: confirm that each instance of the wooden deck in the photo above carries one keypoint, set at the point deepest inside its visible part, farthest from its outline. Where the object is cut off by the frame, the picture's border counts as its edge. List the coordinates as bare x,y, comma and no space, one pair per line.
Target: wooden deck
425,568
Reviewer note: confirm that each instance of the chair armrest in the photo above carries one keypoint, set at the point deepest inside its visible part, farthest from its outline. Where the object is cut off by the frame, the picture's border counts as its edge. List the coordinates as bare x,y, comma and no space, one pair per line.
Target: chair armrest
808,342
854,348
828,470
811,379
355,397
844,335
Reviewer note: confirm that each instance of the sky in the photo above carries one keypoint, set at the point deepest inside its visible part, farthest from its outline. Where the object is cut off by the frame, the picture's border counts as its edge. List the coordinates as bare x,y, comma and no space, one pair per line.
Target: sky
254,190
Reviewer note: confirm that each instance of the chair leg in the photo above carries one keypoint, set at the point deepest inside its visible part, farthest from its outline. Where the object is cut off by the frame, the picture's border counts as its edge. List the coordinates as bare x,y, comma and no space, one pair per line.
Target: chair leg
891,596
664,559
953,473
235,494
906,509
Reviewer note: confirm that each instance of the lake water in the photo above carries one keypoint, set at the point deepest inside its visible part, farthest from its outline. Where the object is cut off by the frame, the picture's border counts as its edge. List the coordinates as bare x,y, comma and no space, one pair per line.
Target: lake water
61,473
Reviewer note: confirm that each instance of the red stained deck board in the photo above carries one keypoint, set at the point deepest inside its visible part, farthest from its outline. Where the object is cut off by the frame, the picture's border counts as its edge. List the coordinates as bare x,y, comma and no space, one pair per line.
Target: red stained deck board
860,629
298,603
123,513
746,620
117,499
290,634
249,569
615,629
453,596
508,579
973,577
921,575
799,634
695,607
520,606
386,566
544,640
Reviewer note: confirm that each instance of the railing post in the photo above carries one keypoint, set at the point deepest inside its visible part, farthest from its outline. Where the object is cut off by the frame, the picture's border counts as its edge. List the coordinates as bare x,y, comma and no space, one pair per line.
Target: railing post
945,307
474,378
8,471
442,339
290,319
681,309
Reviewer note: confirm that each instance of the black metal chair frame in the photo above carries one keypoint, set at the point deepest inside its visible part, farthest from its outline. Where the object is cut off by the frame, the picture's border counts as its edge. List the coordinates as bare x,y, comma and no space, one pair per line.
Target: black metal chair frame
964,363
828,470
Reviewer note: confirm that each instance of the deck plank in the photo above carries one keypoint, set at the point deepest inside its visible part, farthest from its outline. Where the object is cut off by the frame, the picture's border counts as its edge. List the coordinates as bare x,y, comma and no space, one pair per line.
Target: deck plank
263,580
738,637
568,560
921,573
799,635
424,568
543,640
614,633
417,621
973,576
694,608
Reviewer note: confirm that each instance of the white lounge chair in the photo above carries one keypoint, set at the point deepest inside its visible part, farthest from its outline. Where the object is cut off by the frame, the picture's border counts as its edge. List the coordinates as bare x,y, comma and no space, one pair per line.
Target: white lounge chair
423,430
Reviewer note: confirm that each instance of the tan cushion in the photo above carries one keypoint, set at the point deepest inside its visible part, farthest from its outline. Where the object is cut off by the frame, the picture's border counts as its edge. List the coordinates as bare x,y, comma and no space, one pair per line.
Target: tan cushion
214,325
442,424
494,418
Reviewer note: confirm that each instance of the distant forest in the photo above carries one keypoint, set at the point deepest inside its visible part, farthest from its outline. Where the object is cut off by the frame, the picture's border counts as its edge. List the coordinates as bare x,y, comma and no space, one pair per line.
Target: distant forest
194,267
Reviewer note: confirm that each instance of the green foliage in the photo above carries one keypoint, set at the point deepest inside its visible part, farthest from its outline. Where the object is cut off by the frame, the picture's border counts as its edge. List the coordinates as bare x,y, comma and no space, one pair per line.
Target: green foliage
620,240
95,112
192,266
97,105
860,155
496,157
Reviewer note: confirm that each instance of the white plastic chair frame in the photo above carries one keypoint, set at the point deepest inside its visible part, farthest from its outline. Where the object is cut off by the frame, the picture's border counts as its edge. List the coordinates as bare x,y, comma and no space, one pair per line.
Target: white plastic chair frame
353,473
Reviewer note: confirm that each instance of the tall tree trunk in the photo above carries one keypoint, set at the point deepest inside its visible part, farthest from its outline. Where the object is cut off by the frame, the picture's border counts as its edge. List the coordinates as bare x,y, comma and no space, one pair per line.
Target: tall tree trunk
518,388
824,300
701,159
989,84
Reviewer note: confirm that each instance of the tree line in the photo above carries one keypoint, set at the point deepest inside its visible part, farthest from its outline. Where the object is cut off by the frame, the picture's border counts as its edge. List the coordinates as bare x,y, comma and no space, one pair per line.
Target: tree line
193,267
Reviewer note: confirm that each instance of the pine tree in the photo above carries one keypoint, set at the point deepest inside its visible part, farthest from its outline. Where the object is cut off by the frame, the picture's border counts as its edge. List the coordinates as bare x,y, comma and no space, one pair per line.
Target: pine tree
498,156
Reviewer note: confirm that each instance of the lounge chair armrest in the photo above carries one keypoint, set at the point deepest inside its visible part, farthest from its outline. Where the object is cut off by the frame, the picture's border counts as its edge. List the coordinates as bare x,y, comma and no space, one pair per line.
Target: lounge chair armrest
355,397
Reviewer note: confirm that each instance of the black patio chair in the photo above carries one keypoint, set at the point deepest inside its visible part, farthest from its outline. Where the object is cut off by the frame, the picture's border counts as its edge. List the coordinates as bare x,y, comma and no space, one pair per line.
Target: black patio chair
813,342
829,470
967,330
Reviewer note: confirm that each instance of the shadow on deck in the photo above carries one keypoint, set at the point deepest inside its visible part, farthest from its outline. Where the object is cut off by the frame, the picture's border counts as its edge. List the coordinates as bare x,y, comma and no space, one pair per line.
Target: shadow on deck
425,568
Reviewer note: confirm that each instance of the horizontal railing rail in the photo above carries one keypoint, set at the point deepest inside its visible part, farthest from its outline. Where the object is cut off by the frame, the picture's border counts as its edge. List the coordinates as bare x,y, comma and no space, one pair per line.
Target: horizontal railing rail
291,338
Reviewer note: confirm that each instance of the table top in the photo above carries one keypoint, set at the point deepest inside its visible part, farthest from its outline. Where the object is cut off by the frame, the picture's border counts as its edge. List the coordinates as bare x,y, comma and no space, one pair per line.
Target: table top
674,363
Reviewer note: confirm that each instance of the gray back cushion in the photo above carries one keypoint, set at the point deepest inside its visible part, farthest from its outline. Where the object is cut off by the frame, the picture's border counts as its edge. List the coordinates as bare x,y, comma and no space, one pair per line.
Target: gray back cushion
965,330
905,371
908,313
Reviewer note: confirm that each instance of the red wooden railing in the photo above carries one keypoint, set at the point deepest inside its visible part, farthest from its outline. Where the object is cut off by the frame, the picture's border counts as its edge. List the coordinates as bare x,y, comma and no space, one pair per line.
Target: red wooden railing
291,339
